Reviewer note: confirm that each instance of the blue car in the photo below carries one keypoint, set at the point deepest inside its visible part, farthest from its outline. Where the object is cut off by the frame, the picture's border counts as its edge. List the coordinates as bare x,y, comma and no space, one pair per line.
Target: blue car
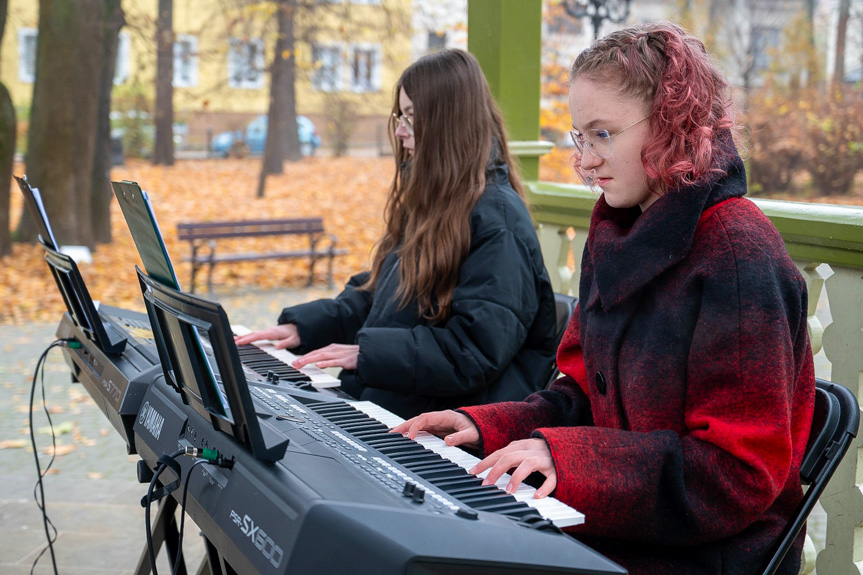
239,144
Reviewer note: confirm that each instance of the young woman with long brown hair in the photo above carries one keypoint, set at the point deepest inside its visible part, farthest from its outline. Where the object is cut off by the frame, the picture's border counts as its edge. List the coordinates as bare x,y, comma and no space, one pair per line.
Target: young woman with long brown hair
457,308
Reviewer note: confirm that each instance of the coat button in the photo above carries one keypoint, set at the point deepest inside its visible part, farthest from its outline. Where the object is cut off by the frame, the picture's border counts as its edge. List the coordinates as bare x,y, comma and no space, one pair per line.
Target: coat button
600,382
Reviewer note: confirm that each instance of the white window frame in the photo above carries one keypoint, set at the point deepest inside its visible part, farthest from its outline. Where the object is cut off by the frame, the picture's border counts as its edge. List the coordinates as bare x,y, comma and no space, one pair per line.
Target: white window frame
338,72
121,68
252,74
189,80
27,62
374,81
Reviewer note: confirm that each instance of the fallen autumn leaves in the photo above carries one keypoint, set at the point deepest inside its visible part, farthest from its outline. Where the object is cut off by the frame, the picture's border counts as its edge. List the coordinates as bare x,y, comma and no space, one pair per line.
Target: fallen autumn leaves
349,193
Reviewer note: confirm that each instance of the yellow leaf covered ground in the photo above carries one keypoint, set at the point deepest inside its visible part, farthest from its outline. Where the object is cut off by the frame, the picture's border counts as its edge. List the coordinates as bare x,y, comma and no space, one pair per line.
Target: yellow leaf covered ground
349,193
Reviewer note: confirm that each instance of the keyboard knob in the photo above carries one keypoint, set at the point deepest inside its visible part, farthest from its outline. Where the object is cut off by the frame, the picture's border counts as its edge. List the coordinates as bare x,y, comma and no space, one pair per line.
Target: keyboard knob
409,489
419,495
467,513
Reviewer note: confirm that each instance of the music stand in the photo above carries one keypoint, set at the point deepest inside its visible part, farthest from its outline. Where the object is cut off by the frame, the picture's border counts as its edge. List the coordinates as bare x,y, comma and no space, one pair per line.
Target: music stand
33,201
181,322
79,304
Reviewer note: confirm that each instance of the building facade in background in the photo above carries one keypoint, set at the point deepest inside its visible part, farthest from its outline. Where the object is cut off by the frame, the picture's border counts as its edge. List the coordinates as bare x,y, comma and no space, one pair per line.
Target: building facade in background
349,54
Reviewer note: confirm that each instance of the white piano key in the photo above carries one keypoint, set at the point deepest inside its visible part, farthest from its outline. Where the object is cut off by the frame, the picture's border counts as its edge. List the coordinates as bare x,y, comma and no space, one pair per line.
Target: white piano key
320,378
559,513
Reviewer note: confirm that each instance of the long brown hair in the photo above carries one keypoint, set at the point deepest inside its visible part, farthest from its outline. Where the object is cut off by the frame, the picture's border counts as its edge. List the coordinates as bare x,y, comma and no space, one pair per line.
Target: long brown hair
457,130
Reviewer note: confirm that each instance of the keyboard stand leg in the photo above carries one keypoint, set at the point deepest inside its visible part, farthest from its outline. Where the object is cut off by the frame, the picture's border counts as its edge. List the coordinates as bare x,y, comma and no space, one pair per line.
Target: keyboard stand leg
210,564
164,531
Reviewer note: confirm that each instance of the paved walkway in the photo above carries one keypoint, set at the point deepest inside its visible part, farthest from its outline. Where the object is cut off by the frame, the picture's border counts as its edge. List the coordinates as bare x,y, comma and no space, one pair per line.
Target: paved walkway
91,492
92,495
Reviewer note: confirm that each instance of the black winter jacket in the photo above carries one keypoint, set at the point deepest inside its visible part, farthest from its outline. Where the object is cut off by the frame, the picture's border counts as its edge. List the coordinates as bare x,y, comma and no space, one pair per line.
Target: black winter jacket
498,344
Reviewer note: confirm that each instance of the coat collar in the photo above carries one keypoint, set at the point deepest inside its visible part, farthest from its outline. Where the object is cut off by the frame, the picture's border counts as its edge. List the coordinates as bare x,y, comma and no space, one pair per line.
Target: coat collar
627,249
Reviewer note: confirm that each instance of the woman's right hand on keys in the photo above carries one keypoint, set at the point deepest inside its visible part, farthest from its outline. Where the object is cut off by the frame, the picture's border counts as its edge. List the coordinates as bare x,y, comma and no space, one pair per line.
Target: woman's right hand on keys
283,336
455,428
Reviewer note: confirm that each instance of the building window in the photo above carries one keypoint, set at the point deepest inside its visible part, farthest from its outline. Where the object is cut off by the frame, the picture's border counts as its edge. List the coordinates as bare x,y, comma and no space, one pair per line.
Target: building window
186,61
764,39
121,70
327,60
27,39
246,64
437,41
365,67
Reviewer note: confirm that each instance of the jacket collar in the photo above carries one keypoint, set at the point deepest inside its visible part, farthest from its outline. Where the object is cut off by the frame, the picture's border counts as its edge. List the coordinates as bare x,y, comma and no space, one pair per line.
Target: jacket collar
628,249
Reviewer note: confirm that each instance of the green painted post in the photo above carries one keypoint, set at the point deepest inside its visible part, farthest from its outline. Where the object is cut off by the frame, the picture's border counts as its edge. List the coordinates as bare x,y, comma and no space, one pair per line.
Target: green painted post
506,36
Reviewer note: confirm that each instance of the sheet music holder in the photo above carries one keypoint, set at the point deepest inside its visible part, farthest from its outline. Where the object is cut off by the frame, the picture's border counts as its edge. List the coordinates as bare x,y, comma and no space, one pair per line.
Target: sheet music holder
141,219
80,305
76,296
33,201
180,321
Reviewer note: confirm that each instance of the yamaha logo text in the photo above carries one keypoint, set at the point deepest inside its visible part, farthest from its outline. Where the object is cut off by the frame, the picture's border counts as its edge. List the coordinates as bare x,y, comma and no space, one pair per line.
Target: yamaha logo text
265,544
151,419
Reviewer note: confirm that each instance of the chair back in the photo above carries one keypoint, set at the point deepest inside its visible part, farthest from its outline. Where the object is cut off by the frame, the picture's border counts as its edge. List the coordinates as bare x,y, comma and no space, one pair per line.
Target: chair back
565,306
834,426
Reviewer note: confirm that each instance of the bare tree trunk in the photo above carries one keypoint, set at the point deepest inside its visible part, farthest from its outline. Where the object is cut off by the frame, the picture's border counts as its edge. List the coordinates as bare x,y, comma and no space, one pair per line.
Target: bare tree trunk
7,157
63,115
7,149
283,141
101,194
163,149
841,32
812,53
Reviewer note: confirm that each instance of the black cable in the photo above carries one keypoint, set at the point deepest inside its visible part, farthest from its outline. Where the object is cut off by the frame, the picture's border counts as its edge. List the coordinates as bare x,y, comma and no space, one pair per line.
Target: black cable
39,489
183,516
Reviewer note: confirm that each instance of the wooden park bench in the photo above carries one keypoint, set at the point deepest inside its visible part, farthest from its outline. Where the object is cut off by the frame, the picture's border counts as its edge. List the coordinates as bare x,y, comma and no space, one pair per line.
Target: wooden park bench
206,234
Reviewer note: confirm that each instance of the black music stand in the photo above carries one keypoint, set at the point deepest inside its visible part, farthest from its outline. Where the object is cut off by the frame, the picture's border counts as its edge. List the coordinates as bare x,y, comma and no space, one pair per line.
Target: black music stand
33,201
79,303
182,325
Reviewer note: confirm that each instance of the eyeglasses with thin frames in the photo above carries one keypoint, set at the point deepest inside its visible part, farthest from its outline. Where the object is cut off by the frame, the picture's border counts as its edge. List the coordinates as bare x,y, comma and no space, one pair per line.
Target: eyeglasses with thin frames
598,142
404,122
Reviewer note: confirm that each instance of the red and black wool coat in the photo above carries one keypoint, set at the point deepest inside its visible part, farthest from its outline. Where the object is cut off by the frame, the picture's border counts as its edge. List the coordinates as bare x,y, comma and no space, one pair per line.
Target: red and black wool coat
680,425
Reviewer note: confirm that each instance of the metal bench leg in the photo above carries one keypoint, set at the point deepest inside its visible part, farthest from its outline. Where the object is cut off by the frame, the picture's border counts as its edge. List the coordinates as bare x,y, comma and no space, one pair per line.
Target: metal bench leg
312,262
210,279
330,281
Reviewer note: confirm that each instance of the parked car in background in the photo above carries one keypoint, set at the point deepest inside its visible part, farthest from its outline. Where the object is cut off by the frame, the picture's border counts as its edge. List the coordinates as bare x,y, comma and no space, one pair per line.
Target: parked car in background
241,143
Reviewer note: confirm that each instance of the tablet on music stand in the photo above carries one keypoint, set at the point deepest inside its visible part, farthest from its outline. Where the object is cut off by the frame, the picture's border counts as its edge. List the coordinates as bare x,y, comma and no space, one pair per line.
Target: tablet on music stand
178,319
33,201
141,219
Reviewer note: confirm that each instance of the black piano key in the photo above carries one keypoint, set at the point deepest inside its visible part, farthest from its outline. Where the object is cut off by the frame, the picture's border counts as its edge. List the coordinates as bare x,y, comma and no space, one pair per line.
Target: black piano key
457,482
367,425
261,362
495,503
472,490
414,458
445,463
394,451
443,473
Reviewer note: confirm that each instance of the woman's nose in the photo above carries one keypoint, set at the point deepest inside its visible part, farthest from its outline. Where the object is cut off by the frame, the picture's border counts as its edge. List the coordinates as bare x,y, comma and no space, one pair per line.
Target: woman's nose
589,161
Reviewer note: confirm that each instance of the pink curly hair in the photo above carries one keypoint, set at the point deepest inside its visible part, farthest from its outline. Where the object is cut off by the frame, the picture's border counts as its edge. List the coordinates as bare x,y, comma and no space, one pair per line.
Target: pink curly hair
691,107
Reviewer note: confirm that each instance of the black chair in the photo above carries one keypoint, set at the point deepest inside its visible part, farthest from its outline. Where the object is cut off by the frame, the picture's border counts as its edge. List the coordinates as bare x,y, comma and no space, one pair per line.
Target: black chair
565,305
834,426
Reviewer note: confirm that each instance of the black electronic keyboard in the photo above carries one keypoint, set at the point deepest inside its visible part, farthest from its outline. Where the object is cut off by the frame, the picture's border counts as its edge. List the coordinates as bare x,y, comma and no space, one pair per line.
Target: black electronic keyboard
117,382
350,497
